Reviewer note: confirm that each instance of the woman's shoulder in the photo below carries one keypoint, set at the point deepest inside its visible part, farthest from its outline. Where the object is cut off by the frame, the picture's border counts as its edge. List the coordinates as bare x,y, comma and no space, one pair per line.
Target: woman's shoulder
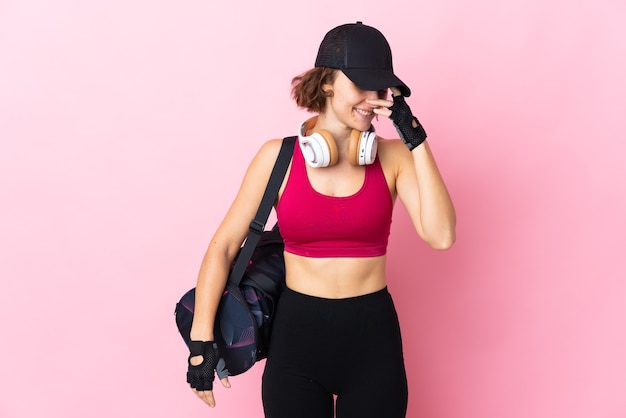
392,151
269,149
388,142
271,145
267,154
394,157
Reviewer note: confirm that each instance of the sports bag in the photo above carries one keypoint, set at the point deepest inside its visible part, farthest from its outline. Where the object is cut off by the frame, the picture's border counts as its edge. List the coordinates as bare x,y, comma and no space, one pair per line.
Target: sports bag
244,316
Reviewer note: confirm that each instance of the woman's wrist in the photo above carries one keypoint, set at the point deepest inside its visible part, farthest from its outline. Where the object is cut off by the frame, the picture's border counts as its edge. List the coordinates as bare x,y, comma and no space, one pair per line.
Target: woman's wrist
199,335
409,128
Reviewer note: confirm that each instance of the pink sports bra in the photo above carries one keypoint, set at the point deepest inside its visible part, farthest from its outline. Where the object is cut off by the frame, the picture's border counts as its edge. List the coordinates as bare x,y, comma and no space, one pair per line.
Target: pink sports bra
316,225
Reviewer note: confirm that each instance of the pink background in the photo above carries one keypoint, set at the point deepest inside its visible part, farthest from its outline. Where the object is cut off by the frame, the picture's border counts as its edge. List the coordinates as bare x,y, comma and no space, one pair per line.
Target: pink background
126,127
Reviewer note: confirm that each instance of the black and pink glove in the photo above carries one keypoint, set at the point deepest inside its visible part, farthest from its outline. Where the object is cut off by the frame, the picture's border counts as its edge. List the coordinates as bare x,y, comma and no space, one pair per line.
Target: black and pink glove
201,377
402,119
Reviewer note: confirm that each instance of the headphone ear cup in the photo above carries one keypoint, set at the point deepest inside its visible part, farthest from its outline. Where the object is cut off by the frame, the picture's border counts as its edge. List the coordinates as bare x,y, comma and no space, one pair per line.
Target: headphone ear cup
330,148
353,147
319,149
362,148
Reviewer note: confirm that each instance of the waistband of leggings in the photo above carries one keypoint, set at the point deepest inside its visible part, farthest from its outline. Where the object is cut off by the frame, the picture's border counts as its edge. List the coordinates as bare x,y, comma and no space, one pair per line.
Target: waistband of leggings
382,293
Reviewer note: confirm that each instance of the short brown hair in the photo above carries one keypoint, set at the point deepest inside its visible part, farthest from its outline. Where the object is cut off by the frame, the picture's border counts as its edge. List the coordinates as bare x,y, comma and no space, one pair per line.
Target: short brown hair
306,89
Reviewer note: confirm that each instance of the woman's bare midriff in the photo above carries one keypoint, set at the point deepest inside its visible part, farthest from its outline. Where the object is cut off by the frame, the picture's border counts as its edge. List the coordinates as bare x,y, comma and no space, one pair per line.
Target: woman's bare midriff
335,278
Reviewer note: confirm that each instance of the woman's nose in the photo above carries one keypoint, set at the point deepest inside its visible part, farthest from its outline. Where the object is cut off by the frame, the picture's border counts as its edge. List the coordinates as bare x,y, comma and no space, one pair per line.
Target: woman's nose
372,94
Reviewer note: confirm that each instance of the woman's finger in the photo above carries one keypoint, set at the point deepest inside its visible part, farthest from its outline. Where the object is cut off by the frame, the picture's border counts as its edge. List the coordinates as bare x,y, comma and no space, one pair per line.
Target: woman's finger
382,111
206,396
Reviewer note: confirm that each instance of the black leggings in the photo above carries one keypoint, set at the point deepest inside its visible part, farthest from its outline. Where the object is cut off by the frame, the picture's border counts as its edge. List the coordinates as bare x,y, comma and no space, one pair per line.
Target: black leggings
350,347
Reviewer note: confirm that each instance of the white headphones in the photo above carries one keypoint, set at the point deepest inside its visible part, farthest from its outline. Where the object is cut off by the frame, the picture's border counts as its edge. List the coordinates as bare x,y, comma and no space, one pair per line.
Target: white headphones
320,149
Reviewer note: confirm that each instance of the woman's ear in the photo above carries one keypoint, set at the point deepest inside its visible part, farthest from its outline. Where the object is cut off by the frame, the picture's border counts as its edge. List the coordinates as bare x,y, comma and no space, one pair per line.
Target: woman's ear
327,88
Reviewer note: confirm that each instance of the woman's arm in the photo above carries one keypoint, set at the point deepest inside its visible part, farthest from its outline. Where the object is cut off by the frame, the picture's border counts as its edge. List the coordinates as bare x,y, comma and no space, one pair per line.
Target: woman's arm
423,193
419,183
224,246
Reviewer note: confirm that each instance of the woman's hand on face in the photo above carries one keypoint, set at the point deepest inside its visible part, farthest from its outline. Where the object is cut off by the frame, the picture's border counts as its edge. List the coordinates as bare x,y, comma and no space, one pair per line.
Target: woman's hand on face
411,132
383,105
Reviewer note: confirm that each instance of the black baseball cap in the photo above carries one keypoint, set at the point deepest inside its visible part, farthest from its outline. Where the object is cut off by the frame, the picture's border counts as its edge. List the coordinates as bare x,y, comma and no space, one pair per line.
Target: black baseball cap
363,54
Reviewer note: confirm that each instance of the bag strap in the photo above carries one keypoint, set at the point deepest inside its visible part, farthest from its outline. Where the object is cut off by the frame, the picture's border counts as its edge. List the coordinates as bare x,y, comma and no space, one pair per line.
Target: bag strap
257,226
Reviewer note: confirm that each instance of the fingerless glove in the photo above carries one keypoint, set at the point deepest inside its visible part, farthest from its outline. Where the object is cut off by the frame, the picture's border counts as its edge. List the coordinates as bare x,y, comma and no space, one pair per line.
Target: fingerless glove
201,377
402,119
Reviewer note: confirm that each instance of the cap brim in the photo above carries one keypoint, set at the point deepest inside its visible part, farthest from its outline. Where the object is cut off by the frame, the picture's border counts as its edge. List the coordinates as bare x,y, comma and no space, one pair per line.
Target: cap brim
373,80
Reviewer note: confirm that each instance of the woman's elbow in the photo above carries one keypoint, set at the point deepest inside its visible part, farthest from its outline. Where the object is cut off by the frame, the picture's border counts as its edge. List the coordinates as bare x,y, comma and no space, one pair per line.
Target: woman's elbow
443,241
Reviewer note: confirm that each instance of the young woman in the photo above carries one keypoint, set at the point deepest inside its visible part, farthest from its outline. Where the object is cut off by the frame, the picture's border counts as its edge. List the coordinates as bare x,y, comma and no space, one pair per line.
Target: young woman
335,331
